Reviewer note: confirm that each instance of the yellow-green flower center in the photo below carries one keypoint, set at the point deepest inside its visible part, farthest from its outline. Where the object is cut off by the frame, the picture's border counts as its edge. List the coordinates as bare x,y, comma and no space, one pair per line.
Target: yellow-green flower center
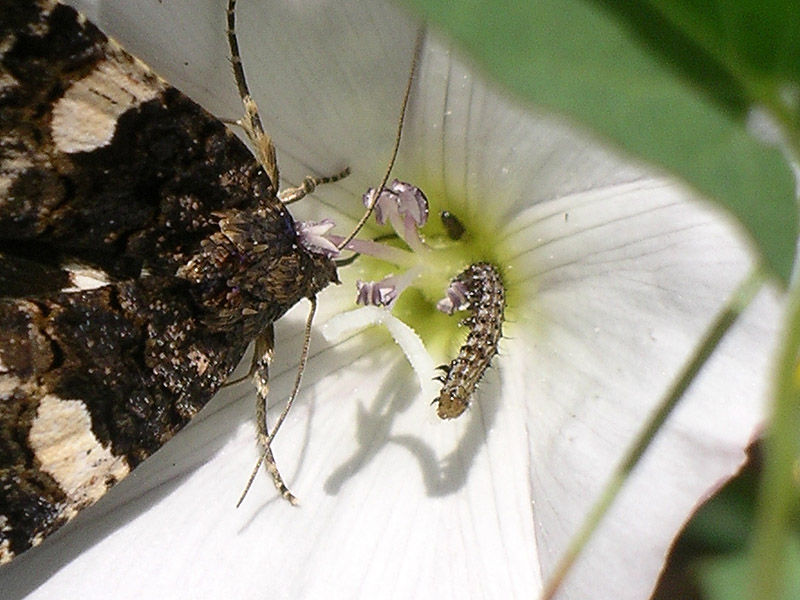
434,268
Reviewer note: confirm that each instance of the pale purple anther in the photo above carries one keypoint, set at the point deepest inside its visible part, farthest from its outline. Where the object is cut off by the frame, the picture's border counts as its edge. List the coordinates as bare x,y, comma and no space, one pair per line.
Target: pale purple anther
376,293
312,236
456,298
411,201
402,199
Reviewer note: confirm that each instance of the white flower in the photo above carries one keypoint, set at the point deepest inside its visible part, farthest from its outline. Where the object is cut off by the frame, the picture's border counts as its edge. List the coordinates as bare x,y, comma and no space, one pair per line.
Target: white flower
612,275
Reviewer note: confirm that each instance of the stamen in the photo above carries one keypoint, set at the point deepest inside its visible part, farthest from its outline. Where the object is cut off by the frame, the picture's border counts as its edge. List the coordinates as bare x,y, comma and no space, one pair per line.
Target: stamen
457,298
388,289
405,207
411,201
375,293
312,236
390,254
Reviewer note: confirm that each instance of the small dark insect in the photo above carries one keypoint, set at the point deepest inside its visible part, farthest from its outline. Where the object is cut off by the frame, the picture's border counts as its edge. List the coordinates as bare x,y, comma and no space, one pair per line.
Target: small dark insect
480,290
452,226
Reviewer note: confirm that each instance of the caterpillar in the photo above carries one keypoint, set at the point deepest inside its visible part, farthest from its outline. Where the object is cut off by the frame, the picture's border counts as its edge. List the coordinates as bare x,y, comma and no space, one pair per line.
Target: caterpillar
479,289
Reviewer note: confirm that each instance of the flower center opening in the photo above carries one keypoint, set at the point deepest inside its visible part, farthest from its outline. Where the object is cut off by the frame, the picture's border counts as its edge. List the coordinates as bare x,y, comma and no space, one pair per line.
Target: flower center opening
436,284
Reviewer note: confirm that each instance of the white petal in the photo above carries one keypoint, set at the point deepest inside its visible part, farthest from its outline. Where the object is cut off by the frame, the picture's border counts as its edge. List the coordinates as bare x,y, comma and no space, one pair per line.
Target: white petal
489,155
624,289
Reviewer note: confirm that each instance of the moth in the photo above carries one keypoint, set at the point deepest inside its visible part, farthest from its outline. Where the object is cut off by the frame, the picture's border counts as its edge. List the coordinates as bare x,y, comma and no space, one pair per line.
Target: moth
142,249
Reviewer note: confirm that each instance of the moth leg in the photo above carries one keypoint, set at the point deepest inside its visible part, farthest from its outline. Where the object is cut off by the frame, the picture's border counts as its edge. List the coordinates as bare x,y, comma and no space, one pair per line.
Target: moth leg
250,371
262,357
309,184
265,436
264,351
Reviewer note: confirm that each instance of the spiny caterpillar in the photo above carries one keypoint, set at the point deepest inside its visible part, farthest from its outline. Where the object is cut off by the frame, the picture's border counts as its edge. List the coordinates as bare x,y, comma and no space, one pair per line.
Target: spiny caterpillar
480,290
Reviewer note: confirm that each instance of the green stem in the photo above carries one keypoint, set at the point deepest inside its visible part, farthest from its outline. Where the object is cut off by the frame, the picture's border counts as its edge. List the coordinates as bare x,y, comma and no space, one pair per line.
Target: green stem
779,491
721,325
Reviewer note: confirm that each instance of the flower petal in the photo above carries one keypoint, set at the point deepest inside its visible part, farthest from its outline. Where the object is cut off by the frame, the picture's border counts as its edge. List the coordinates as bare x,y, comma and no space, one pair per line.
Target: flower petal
624,289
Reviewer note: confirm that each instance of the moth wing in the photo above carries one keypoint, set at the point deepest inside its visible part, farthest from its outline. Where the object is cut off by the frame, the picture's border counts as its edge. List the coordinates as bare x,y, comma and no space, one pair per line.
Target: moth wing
102,162
91,384
110,182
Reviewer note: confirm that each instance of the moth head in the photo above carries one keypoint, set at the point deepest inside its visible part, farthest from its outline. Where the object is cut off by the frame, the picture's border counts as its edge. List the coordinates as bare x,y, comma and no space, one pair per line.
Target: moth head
322,273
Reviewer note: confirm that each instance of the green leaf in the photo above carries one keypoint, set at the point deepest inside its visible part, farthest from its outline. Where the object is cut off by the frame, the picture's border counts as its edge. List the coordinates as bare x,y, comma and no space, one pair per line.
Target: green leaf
755,42
660,80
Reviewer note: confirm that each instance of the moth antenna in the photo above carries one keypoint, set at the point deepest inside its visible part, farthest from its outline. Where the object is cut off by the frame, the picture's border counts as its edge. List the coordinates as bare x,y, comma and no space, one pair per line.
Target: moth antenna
417,51
253,127
269,460
264,148
301,368
252,477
